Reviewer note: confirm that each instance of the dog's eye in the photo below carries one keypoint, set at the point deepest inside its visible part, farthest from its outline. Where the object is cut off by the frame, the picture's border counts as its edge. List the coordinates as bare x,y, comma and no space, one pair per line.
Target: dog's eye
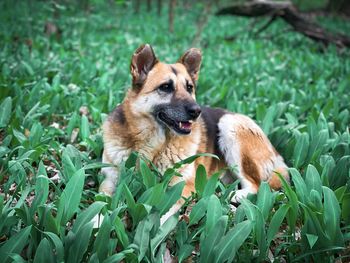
167,87
189,87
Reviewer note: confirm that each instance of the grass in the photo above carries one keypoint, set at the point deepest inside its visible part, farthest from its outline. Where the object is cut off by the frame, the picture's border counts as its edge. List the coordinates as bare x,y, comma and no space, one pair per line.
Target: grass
57,89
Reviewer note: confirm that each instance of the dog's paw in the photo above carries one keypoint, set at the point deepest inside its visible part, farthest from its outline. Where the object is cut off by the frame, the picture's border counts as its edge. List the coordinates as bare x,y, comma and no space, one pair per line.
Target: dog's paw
107,187
239,195
233,208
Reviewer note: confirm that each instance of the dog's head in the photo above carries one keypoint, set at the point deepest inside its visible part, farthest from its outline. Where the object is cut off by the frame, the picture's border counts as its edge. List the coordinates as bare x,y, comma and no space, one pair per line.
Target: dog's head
166,92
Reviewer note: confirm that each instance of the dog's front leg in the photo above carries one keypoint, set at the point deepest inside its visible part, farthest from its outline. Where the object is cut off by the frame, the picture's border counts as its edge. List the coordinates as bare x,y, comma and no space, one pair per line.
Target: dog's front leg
108,184
189,177
111,173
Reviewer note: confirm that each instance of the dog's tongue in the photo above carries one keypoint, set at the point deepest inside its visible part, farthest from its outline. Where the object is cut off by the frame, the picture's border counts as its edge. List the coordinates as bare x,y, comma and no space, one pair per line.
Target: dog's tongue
185,125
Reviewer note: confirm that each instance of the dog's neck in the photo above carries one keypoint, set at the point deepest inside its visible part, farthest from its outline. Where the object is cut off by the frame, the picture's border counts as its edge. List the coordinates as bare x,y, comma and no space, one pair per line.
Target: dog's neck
144,135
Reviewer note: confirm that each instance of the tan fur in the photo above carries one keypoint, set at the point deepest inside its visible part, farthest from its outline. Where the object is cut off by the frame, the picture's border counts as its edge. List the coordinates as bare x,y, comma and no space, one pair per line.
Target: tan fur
132,127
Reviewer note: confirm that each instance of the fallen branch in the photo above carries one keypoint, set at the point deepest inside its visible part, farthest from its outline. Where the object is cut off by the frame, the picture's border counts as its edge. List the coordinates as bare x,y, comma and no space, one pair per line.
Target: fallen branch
288,12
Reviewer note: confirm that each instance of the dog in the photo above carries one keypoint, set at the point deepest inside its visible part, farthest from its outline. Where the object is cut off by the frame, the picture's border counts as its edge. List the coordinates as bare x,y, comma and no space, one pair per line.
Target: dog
161,120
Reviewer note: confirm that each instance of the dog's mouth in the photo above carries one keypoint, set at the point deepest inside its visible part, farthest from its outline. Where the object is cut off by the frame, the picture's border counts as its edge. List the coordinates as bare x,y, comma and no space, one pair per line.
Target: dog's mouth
181,127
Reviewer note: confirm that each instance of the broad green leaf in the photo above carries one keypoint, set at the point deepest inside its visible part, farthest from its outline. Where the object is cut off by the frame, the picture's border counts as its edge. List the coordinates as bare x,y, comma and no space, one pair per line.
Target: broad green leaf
340,192
80,244
97,165
210,187
57,244
102,239
149,179
163,232
214,212
265,199
41,188
129,198
301,149
121,233
137,211
172,195
44,253
47,220
276,222
156,195
142,210
315,200
193,158
312,127
73,123
28,68
268,119
201,179
340,174
255,216
345,213
5,112
313,179
226,249
181,233
67,164
293,202
84,128
142,236
313,225
132,159
19,136
317,145
312,239
87,215
331,215
184,252
15,244
300,185
198,211
325,251
70,197
212,238
119,256
17,258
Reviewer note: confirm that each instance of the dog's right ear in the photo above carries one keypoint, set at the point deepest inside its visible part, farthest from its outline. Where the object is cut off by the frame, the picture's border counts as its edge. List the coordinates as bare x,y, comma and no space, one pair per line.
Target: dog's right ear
142,62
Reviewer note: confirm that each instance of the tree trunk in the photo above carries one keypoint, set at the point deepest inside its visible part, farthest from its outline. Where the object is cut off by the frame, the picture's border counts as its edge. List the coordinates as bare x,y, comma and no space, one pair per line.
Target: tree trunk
339,6
137,6
288,12
149,6
159,7
172,5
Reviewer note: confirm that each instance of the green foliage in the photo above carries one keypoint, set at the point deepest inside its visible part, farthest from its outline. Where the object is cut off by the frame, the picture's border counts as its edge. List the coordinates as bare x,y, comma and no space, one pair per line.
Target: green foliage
57,88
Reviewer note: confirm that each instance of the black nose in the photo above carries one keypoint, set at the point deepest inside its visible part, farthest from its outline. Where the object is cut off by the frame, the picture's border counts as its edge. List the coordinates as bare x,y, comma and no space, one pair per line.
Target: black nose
194,110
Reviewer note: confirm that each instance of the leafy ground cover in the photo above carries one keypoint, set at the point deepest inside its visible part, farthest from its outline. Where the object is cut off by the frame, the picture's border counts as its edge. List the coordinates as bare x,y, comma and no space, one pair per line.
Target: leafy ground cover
58,86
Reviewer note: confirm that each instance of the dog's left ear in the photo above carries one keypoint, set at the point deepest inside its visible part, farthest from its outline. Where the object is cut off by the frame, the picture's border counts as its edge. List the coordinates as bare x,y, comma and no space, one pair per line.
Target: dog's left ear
142,62
192,61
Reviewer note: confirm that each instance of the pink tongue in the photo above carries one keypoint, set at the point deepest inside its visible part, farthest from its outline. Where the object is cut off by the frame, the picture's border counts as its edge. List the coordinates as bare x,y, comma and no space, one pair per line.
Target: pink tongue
186,125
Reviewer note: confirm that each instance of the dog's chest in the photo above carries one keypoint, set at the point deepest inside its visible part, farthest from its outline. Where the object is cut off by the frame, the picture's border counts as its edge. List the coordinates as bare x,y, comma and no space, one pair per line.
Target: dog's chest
176,149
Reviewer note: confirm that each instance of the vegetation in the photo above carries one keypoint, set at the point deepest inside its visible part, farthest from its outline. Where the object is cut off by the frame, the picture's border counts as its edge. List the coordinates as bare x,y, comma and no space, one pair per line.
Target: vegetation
63,70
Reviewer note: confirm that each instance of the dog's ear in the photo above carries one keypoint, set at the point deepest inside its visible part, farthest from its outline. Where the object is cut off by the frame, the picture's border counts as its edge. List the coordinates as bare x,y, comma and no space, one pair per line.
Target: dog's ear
192,59
142,62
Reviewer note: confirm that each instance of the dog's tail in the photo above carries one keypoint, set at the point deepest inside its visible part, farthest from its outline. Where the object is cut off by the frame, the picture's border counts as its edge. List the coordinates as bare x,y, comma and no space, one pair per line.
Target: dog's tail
275,182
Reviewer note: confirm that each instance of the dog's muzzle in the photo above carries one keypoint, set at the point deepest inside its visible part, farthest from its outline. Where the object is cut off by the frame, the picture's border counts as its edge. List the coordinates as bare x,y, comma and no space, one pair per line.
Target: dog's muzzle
179,118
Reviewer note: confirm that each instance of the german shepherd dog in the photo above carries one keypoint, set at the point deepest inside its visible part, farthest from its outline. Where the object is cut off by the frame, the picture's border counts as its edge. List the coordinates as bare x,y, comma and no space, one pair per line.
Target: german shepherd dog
161,120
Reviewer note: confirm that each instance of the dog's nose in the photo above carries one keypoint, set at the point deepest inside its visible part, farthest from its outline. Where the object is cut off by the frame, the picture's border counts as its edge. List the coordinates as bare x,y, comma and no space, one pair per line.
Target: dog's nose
194,110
